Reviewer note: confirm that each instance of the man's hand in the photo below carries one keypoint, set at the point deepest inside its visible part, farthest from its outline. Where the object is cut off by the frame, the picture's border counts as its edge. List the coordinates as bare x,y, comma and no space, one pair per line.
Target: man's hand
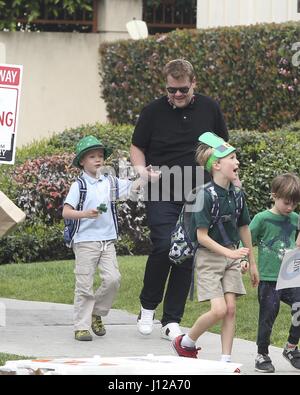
148,174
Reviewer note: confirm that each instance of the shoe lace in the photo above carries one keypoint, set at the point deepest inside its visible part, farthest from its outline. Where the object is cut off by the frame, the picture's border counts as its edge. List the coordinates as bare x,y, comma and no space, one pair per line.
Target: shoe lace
262,358
147,317
97,323
295,353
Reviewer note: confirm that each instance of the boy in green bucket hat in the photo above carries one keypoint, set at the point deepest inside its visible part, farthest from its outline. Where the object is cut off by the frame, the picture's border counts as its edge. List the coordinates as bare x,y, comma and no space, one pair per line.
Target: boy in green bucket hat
219,221
86,144
96,232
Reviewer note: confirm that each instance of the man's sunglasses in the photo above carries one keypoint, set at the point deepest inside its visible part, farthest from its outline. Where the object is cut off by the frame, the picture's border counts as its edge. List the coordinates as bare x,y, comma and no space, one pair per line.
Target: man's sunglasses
182,89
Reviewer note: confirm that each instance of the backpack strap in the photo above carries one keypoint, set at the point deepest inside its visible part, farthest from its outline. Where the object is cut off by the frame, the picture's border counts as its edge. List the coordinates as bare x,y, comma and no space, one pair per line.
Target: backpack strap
82,196
239,202
215,215
114,196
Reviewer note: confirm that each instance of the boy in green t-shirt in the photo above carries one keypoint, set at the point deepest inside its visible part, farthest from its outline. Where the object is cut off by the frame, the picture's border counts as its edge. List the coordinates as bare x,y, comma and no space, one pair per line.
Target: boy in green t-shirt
218,258
274,231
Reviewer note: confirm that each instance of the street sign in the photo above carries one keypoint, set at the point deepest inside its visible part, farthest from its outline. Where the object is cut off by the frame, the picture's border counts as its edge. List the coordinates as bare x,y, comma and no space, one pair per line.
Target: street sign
10,91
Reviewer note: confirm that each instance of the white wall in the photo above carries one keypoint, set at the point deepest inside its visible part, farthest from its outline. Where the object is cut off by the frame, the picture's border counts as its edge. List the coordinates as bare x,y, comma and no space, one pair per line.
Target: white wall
61,85
61,81
213,13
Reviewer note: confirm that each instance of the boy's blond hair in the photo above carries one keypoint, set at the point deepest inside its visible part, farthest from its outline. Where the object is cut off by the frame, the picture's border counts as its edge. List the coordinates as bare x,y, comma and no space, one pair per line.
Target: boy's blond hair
203,153
286,186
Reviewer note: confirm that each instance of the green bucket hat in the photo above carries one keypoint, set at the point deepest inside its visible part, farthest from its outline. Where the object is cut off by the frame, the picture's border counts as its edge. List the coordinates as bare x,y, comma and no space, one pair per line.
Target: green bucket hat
86,144
220,148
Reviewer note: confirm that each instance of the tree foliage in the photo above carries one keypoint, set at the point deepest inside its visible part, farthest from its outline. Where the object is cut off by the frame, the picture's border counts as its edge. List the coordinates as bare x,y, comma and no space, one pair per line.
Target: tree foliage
31,10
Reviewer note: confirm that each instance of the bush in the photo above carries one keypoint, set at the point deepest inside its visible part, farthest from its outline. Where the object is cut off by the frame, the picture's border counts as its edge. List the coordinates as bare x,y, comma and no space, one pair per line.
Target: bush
262,156
248,69
34,242
43,186
39,186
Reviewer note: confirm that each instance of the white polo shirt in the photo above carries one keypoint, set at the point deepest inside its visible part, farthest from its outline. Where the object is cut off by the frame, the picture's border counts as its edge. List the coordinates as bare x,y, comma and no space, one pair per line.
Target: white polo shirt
98,191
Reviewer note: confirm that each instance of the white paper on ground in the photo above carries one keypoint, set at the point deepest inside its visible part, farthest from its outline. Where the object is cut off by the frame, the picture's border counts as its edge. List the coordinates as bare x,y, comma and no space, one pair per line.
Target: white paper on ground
135,365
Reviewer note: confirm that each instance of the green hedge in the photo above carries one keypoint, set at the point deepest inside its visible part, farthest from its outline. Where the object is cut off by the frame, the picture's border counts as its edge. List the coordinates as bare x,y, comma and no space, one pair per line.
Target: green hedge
247,69
261,155
38,184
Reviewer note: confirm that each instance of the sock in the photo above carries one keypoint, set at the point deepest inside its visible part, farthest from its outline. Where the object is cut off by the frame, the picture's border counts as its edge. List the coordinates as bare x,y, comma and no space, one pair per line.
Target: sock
225,358
290,347
187,342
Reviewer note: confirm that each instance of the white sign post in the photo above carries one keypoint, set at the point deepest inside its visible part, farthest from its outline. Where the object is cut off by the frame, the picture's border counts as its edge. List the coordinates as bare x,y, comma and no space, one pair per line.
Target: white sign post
10,92
289,275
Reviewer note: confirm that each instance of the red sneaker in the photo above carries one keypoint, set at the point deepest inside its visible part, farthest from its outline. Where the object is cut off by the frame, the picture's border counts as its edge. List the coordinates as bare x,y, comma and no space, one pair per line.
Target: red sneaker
189,352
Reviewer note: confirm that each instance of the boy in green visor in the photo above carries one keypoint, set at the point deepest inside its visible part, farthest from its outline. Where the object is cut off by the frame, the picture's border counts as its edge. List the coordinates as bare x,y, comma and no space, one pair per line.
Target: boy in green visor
219,221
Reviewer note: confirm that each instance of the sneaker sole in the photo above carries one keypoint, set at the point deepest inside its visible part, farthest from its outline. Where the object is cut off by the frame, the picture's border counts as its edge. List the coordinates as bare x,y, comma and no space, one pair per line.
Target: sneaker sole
99,334
142,333
264,371
84,340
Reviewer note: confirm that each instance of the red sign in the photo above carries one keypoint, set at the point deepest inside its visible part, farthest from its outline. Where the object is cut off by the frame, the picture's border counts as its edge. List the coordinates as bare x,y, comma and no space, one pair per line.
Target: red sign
10,87
9,75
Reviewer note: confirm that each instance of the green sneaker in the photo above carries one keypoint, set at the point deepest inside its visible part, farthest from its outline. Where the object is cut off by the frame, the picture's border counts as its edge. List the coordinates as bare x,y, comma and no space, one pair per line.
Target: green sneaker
83,335
98,326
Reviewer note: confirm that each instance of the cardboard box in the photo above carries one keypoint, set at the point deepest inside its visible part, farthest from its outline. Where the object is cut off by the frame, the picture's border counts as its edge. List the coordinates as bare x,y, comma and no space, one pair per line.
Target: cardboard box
10,215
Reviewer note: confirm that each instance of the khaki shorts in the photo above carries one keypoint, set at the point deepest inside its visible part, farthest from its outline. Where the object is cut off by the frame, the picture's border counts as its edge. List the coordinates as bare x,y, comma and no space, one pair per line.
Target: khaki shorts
217,275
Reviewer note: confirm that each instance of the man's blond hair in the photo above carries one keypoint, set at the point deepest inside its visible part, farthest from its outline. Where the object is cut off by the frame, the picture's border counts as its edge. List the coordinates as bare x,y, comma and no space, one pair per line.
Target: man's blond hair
179,68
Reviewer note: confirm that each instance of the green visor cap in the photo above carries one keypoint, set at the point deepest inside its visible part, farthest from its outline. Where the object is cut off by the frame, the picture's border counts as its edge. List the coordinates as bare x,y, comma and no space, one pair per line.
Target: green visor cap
86,144
220,147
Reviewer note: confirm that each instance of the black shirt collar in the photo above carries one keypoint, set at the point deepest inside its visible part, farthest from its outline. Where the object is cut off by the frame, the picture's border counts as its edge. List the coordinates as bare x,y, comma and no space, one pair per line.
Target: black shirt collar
189,105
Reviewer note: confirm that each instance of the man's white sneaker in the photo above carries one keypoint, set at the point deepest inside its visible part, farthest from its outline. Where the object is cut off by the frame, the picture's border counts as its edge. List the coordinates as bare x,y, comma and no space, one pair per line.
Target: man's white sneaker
145,321
171,331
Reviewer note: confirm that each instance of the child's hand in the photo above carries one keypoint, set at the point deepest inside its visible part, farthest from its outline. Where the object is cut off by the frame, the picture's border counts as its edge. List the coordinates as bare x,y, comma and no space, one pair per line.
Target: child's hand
244,266
240,253
93,213
237,182
254,275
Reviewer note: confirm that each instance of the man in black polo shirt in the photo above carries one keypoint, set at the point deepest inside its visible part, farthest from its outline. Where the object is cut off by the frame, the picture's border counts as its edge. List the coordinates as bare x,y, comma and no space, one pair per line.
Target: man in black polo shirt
166,137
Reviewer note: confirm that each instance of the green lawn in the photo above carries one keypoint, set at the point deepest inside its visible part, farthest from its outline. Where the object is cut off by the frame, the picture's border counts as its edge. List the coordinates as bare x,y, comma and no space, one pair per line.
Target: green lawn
54,282
10,357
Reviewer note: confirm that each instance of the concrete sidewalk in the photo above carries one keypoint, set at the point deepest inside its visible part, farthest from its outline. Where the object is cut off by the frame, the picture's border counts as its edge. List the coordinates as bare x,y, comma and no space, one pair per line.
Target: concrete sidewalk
39,329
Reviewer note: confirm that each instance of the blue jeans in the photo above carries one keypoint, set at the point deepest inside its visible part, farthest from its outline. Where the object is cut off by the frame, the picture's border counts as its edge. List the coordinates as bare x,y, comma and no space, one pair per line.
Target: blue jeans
269,304
162,218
